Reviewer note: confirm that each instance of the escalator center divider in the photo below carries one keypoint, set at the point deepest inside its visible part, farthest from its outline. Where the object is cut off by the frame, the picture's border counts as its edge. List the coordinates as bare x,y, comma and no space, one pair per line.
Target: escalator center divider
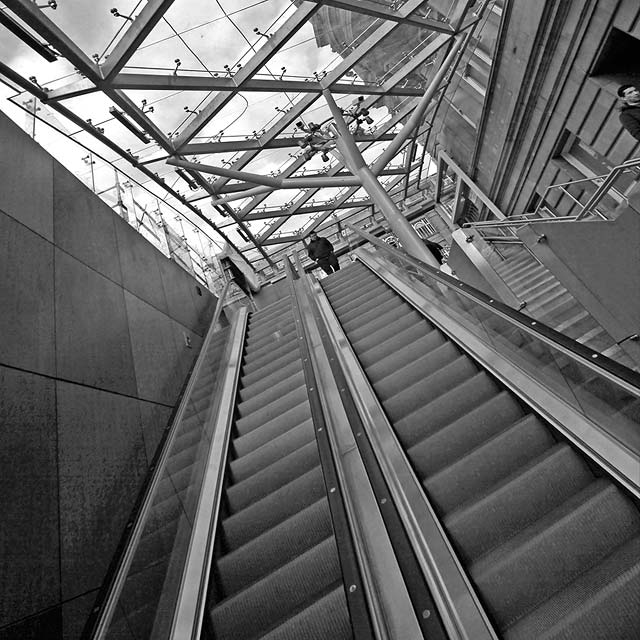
425,608
354,588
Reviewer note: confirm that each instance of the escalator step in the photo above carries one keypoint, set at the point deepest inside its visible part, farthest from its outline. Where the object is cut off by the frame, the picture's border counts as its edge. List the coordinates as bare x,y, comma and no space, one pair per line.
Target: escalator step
273,331
458,438
360,296
554,551
279,388
277,407
270,350
385,332
382,319
272,429
422,392
517,501
251,390
370,304
488,464
602,603
337,288
384,305
243,468
261,516
416,368
445,409
275,548
288,468
397,359
327,617
379,351
269,602
251,375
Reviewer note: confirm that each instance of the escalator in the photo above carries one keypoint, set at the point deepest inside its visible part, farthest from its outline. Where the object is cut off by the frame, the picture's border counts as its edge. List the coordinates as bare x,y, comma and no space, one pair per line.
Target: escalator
550,543
276,573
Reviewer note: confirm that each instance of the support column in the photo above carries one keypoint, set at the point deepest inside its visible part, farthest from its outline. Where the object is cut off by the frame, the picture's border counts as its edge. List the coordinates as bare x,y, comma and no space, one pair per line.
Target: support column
411,242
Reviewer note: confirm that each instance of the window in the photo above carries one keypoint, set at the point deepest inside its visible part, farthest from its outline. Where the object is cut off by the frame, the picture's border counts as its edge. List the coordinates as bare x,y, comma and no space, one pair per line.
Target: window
619,58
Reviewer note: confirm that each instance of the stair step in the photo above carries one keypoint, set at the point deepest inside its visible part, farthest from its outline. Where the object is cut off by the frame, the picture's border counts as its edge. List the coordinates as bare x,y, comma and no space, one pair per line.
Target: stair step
261,516
280,388
258,386
459,437
250,375
488,464
376,353
274,548
416,395
508,505
397,359
274,409
276,597
554,551
274,449
327,617
415,369
279,473
272,429
602,603
448,407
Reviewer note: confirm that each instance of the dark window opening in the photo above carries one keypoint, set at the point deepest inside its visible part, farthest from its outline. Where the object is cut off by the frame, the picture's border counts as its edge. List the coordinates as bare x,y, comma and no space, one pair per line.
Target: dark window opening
619,59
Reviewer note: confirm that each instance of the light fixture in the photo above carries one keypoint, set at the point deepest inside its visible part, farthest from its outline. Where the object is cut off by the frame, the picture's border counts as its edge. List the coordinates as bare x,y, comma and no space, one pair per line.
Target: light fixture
124,121
27,38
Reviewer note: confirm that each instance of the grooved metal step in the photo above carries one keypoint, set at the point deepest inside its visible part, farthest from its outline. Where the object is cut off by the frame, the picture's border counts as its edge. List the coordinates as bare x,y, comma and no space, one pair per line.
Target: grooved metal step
525,513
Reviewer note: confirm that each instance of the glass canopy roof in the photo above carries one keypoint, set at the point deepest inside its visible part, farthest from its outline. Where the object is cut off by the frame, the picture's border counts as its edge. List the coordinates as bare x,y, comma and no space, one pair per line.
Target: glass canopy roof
232,85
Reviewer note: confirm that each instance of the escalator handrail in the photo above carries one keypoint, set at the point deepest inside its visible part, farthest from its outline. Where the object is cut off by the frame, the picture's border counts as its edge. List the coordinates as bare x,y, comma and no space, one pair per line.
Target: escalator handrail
117,581
189,610
390,607
462,614
596,442
617,373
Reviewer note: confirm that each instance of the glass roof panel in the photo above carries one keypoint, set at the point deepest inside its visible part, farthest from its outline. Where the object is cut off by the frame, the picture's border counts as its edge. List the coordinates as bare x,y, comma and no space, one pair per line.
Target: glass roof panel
243,111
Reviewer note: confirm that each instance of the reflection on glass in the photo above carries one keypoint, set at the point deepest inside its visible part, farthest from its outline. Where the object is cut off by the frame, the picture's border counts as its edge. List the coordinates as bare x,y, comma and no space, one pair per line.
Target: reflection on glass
600,399
150,590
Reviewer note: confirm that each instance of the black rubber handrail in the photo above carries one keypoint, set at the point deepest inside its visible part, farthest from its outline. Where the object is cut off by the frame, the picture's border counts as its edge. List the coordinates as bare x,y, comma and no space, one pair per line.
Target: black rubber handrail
594,360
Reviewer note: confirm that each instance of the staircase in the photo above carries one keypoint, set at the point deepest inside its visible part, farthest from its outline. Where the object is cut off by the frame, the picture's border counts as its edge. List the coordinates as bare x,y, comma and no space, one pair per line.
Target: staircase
276,574
551,546
548,301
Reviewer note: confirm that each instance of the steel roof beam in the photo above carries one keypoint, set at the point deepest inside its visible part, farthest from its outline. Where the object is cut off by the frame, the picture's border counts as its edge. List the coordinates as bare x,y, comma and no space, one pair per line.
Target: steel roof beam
266,215
270,48
254,143
377,10
37,20
333,76
134,36
183,82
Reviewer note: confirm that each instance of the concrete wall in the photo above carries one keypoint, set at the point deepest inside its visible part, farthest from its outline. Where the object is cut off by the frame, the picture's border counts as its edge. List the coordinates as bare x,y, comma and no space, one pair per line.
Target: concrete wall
599,263
542,88
92,359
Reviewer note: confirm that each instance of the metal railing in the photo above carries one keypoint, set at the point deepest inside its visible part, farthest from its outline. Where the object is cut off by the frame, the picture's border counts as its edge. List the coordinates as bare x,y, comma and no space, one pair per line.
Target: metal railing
544,213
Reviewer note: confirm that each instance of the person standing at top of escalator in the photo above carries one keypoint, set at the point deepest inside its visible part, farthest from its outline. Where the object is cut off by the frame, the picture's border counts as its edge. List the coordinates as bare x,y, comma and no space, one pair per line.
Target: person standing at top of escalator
321,250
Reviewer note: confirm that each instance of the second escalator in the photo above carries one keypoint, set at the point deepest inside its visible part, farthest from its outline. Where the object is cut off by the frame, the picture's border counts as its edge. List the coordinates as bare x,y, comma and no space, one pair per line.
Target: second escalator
550,543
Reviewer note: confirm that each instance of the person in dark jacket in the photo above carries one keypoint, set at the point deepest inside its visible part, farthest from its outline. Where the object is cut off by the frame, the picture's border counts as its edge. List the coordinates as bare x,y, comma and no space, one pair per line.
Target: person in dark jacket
436,250
321,250
630,110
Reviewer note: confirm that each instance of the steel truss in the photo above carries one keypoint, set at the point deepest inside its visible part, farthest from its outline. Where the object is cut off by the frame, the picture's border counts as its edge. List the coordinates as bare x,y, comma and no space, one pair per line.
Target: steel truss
443,43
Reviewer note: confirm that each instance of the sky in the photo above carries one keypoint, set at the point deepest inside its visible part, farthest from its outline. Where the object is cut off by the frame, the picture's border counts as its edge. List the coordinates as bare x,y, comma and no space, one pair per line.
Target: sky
204,39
